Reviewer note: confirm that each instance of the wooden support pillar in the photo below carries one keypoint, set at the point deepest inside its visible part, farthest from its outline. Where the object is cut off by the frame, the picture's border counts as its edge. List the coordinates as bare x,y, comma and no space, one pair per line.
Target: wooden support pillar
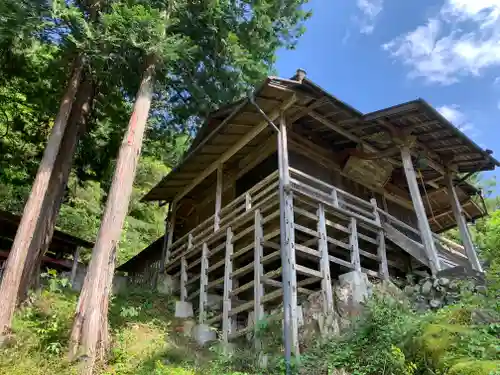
203,283
258,275
227,323
184,276
326,282
462,224
218,198
74,266
248,202
287,247
353,242
170,235
418,205
381,250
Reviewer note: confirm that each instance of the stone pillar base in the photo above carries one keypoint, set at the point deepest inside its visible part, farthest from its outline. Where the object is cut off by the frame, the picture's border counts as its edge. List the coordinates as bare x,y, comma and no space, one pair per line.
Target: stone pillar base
183,309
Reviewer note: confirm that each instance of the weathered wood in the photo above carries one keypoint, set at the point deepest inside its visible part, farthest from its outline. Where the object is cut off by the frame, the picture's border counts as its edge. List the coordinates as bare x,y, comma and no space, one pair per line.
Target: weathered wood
184,279
415,249
170,237
307,250
248,202
236,147
381,248
258,274
462,224
353,243
423,223
308,271
184,275
203,283
227,323
218,198
326,282
287,246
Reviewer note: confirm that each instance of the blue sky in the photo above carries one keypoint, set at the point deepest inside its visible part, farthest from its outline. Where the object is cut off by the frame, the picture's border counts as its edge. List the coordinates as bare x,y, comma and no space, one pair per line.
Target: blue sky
377,53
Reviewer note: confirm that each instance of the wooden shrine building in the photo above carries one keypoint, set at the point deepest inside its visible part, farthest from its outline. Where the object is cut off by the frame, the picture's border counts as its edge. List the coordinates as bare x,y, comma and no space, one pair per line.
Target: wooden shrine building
280,194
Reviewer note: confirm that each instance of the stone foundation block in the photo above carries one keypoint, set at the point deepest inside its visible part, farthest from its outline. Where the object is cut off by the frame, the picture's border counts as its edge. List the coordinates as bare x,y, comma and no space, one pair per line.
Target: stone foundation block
183,309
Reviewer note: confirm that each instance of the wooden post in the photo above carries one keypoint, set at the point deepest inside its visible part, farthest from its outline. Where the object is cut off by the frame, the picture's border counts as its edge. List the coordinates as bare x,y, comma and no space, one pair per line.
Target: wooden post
335,198
418,205
287,248
163,258
74,267
171,227
227,323
353,242
462,224
218,198
326,282
381,250
258,274
203,283
248,202
184,276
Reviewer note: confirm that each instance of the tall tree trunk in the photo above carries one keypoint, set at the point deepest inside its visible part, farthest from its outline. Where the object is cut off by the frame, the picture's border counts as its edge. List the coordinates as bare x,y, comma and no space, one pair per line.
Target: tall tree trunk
88,328
77,125
15,264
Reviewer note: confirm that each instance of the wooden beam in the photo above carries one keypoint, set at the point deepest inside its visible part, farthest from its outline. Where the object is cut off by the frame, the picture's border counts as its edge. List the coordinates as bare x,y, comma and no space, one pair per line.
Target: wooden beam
228,288
432,163
236,147
462,224
184,275
326,281
419,208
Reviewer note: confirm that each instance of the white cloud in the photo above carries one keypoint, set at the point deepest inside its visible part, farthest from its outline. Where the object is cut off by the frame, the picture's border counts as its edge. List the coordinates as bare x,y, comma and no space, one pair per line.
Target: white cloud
454,115
370,9
462,39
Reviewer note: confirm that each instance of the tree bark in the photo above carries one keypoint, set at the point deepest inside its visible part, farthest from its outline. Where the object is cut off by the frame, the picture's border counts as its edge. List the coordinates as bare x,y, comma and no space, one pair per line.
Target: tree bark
88,328
15,264
77,126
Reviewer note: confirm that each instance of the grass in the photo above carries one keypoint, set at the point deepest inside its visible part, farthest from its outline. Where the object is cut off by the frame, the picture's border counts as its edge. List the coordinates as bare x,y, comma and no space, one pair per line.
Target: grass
388,339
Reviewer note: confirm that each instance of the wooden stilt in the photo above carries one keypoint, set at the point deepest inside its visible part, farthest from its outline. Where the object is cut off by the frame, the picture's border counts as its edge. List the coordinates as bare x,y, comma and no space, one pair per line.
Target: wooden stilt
184,276
326,282
418,204
462,224
171,227
227,323
203,283
258,275
381,250
287,247
353,243
218,199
